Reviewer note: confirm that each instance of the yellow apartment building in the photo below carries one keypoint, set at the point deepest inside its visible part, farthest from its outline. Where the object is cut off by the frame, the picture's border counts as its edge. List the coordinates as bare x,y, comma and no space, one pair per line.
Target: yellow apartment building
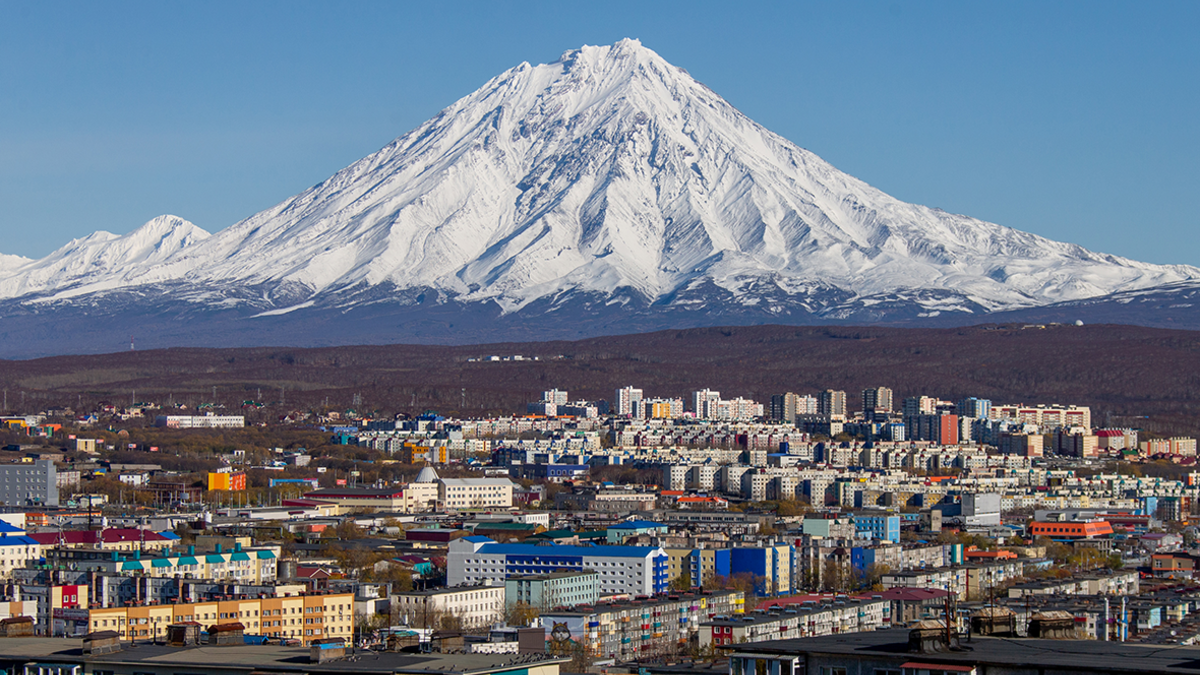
300,617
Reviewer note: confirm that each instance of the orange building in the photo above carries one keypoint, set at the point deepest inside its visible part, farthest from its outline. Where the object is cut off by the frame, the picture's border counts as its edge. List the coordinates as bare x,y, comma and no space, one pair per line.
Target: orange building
1071,530
976,555
227,480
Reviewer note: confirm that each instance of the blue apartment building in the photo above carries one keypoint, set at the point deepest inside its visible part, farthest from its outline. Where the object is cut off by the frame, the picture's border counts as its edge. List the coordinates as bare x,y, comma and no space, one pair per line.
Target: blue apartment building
884,527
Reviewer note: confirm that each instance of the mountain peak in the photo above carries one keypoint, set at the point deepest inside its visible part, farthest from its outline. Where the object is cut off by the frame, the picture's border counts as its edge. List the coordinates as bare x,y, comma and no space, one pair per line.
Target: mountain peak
592,55
609,174
168,225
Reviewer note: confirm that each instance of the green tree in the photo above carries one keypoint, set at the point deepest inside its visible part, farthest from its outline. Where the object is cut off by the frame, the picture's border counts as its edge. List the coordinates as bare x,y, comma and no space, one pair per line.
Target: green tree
520,614
683,582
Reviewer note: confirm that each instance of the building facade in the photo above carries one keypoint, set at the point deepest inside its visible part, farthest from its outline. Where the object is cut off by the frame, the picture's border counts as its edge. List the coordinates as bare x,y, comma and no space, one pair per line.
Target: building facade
29,484
636,570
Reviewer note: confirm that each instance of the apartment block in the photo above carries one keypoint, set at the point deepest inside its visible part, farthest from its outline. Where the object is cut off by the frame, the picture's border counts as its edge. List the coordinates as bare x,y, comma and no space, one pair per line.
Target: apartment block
305,617
643,627
797,621
475,493
476,605
200,421
553,590
29,484
636,570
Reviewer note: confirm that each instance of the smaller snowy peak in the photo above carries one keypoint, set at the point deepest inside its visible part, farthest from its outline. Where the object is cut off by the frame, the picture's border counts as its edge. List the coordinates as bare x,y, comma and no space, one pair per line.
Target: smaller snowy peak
10,262
168,227
102,258
154,242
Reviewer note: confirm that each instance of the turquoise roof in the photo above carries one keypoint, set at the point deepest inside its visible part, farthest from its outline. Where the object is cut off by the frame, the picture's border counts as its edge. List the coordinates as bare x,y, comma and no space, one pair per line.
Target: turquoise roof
130,565
265,555
215,558
188,560
161,562
240,556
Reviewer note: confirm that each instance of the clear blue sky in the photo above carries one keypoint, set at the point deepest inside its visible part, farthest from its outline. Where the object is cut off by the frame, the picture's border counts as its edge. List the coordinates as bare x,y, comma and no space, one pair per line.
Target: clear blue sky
1077,121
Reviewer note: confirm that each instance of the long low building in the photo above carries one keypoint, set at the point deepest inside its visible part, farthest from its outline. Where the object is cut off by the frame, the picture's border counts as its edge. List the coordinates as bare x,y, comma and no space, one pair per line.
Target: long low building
633,570
968,582
250,566
55,656
1117,583
808,620
299,617
642,627
916,652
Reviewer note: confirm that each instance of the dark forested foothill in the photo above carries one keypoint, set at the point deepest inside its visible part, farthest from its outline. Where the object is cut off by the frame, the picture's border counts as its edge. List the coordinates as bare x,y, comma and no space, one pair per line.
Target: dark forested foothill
1130,376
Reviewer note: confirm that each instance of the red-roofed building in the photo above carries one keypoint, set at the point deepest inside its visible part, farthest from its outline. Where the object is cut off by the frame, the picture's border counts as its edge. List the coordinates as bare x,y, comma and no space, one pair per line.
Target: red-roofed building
1090,529
111,539
702,503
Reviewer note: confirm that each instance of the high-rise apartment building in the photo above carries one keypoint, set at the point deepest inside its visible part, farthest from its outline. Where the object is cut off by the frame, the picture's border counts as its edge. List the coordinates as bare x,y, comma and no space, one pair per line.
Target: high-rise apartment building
555,396
979,408
787,407
941,429
705,402
877,400
832,404
659,408
625,400
919,405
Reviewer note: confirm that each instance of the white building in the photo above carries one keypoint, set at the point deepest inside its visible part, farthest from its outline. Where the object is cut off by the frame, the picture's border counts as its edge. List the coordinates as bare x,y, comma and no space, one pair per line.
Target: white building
625,400
705,402
477,606
200,421
475,493
16,549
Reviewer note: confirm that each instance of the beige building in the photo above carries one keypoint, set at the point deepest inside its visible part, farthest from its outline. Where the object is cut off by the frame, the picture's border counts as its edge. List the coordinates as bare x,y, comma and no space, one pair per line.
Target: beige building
300,617
420,497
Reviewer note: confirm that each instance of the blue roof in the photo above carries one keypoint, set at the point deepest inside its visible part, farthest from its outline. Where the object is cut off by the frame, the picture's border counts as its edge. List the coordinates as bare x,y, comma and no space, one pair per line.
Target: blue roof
534,549
167,534
8,528
478,539
19,540
635,525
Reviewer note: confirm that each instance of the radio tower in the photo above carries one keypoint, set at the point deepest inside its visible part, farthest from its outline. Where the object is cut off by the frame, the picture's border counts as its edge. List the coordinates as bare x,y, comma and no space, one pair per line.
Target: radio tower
130,343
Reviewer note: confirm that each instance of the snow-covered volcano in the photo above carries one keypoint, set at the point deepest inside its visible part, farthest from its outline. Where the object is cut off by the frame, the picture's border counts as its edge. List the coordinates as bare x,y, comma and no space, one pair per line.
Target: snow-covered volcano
609,179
